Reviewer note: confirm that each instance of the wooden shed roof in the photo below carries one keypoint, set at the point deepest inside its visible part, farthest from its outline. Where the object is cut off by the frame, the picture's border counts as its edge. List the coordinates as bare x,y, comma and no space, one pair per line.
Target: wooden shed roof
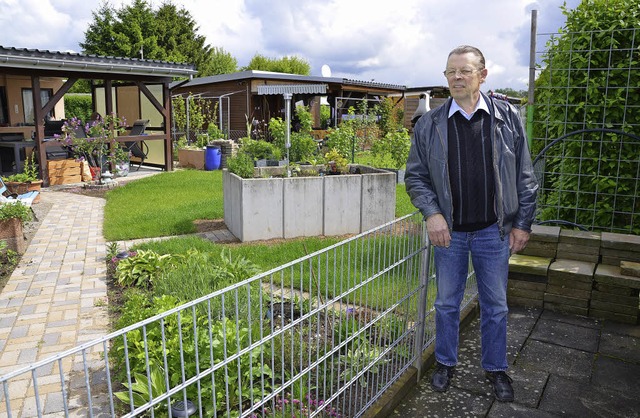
288,78
69,64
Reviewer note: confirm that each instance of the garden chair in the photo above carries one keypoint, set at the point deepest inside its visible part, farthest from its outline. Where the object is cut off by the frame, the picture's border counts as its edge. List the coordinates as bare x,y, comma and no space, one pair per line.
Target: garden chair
25,198
138,149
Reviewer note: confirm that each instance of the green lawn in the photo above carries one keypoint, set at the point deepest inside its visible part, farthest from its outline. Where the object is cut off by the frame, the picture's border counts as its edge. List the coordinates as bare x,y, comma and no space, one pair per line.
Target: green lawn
164,204
168,203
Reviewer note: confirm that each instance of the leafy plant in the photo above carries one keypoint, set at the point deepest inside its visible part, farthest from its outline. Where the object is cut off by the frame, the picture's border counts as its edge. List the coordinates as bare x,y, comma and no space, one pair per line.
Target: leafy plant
143,268
214,340
303,147
15,210
214,131
394,146
140,389
341,139
199,273
258,149
241,164
336,163
29,171
359,356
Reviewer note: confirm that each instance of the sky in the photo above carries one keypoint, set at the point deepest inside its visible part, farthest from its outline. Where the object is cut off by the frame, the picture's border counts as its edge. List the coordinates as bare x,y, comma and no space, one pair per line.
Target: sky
403,42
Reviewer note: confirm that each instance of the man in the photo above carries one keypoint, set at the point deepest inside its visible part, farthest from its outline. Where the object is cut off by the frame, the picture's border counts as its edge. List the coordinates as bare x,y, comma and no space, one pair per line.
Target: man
469,172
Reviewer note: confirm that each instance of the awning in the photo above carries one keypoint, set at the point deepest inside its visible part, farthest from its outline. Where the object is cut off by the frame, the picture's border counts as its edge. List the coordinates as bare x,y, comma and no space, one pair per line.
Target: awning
293,89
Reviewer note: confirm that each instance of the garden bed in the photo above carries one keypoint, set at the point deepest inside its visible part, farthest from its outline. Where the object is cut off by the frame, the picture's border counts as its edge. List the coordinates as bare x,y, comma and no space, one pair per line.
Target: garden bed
266,208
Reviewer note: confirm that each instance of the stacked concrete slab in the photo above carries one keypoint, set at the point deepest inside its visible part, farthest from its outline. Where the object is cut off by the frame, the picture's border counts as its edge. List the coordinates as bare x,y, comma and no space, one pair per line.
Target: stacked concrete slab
228,148
585,273
615,248
543,241
579,245
528,269
569,286
617,280
570,278
527,280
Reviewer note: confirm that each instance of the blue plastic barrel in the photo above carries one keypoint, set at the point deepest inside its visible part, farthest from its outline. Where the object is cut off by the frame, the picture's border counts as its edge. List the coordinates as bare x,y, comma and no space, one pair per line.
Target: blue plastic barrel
212,158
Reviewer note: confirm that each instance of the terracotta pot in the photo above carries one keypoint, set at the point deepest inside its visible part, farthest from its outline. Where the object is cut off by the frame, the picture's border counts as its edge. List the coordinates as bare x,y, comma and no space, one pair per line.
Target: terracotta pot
20,187
11,232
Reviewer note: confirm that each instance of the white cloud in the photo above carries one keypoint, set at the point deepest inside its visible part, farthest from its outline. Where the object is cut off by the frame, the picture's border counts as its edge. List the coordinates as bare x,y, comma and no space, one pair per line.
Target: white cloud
400,42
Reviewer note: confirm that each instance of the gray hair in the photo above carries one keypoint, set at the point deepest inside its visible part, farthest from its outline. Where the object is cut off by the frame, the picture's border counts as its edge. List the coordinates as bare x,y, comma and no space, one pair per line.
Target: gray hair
468,49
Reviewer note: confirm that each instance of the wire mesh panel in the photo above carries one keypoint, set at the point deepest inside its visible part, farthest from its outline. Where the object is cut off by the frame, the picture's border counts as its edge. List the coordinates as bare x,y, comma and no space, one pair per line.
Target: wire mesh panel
324,335
587,122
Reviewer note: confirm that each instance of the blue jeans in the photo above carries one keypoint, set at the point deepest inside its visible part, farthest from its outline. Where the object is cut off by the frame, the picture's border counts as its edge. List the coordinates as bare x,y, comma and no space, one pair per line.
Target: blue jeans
490,258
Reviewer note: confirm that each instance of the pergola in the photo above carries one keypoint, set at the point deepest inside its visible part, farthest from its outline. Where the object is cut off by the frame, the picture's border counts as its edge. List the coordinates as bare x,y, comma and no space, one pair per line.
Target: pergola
72,67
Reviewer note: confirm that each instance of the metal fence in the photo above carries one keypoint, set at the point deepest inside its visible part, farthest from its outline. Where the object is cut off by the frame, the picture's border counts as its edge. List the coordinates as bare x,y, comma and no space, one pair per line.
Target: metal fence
586,116
321,336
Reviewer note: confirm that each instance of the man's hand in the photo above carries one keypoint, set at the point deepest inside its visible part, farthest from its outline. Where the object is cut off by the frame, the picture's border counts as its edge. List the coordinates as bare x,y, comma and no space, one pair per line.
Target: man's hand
517,240
438,230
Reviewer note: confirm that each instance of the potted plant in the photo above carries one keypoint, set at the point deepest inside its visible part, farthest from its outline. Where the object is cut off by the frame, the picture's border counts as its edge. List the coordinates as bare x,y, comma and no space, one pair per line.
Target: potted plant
25,181
95,142
12,218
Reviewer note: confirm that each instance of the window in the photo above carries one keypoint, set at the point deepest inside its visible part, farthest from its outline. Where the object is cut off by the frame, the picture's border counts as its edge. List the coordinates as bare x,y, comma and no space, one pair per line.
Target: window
27,104
4,107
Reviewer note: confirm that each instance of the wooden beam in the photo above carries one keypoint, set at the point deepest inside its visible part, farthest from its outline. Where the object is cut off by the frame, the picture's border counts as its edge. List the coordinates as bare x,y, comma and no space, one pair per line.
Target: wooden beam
108,96
38,119
145,90
168,147
48,107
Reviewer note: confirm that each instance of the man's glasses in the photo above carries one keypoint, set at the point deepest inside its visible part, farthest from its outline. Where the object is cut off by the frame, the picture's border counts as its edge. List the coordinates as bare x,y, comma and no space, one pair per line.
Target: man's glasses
465,72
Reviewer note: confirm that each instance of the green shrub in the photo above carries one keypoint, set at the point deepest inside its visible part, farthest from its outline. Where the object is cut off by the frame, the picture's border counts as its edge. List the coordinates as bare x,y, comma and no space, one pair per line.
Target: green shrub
303,147
259,150
241,164
393,147
215,132
142,269
15,210
341,139
335,161
199,273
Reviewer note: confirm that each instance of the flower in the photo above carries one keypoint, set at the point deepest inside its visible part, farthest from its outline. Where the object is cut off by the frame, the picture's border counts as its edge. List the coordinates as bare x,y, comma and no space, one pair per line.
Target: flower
95,141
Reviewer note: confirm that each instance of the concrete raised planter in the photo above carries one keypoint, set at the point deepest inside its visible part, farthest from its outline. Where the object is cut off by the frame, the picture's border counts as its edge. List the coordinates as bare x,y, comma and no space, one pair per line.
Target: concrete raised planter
266,208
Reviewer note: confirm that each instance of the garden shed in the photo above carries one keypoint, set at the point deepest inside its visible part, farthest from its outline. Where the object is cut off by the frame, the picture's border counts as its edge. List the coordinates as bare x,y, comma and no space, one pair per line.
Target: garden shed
133,88
240,102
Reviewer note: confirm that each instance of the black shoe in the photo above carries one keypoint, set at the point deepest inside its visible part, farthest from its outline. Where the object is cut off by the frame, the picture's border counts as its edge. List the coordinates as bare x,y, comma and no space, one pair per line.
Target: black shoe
501,386
440,378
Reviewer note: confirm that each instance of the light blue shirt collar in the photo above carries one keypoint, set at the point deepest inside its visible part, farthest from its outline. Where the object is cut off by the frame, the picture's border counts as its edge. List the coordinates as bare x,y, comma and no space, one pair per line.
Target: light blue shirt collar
481,105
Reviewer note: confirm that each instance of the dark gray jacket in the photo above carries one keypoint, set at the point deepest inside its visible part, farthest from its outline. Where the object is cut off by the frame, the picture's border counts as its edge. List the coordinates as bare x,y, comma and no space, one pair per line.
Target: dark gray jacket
427,173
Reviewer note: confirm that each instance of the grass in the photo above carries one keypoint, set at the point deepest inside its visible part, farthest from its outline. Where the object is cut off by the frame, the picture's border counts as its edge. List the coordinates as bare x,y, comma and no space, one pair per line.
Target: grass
162,205
265,256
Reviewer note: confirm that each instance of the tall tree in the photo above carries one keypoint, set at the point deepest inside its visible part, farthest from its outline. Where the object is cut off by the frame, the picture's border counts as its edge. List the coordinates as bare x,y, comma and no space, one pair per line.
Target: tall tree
168,33
290,65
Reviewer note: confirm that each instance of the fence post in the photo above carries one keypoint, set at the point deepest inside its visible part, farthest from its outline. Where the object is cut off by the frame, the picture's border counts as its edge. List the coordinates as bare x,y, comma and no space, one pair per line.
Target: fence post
422,301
